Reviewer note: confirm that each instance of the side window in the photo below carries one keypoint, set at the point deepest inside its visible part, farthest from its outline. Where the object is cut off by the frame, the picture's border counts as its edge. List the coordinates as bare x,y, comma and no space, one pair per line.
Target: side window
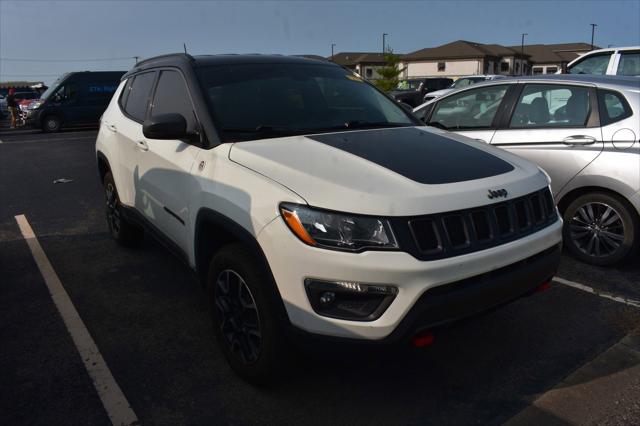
139,94
629,63
613,107
172,96
593,64
543,105
472,109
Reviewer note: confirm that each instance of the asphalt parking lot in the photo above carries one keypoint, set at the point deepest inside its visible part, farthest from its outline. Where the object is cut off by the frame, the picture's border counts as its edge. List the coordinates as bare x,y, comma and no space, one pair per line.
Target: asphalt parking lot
150,322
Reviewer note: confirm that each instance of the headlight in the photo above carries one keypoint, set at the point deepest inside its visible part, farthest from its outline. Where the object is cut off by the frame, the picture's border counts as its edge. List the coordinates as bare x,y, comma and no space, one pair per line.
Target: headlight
338,231
35,105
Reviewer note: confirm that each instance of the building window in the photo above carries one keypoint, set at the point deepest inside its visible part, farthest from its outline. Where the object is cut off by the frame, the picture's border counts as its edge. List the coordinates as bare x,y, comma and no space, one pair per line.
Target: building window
441,66
504,66
368,72
551,70
537,70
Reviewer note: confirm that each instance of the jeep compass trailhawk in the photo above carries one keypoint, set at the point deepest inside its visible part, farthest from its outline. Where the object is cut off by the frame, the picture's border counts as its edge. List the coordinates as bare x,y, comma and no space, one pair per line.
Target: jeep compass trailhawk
305,199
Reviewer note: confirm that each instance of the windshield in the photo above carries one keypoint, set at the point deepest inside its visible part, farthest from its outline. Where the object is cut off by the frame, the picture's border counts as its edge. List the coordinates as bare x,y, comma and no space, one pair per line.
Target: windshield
408,85
53,87
467,81
255,101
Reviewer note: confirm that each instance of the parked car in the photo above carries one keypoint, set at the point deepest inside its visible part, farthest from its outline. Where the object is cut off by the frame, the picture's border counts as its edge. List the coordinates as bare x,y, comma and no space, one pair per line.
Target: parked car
583,130
462,82
614,61
26,98
76,98
307,202
412,91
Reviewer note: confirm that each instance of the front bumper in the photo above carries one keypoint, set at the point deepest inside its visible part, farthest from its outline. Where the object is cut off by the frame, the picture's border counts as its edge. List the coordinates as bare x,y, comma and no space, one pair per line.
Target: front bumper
430,293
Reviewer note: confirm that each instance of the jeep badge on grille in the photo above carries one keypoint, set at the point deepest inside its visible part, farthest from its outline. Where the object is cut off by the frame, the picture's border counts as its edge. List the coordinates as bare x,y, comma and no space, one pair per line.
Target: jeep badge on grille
499,193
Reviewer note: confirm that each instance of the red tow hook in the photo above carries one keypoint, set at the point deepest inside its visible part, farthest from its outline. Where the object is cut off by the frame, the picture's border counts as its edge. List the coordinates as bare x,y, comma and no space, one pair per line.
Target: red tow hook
543,287
423,338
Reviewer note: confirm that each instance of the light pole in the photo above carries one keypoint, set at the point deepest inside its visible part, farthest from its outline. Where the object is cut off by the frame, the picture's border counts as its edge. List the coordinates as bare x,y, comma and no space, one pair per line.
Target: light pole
593,30
332,46
384,45
522,52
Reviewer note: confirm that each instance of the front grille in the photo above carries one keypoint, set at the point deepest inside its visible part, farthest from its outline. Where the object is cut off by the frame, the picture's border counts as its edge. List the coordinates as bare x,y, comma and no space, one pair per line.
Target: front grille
454,233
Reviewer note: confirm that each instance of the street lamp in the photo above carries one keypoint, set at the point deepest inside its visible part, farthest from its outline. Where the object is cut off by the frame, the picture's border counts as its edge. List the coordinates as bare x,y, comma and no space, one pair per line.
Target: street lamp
384,45
593,30
522,52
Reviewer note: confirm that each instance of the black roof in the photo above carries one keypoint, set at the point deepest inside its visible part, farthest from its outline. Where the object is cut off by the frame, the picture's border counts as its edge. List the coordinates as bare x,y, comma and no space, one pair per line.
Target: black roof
178,59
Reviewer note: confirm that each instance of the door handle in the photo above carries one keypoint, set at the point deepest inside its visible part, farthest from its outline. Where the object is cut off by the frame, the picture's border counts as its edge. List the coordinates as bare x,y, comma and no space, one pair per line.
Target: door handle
142,145
579,140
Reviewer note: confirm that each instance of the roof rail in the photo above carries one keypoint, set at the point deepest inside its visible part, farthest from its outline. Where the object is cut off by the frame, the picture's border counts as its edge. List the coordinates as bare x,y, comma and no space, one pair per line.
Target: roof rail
168,55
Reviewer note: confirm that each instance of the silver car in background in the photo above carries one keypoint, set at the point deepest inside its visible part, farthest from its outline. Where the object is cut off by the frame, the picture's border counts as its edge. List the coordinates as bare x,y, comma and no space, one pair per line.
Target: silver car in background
583,130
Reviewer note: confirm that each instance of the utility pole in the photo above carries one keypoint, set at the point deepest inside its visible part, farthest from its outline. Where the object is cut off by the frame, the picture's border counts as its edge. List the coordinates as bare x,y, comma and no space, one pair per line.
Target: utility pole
384,44
522,53
332,46
593,30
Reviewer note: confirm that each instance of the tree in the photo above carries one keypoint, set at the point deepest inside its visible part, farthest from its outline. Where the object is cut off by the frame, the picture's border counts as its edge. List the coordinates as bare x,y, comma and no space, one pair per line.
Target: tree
390,73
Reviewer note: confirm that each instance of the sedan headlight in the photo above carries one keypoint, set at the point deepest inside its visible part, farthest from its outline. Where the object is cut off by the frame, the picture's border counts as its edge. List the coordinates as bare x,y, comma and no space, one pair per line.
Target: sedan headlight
338,231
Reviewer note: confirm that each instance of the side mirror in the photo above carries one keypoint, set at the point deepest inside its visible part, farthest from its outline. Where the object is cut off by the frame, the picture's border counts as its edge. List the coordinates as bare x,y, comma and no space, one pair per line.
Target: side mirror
165,126
406,107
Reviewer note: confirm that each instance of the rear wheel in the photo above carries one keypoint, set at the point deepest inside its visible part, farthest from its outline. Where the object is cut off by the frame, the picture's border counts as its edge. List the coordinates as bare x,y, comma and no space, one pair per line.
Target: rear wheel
123,231
600,229
51,124
245,314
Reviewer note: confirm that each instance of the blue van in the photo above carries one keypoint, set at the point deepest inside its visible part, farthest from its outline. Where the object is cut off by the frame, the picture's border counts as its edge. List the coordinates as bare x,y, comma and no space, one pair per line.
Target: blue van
75,99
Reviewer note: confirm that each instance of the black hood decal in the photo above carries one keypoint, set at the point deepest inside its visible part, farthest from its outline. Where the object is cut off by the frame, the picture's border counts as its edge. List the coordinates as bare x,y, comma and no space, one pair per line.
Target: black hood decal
421,156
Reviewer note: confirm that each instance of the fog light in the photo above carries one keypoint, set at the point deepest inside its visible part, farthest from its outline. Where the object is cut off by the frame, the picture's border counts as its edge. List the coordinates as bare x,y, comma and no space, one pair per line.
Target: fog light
349,300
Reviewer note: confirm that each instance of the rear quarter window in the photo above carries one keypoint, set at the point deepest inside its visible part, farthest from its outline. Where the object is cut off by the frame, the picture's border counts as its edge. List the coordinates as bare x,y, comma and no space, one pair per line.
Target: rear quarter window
613,107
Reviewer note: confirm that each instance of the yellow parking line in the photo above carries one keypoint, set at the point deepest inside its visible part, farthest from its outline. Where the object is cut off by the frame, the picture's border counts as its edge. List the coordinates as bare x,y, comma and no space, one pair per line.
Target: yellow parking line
113,400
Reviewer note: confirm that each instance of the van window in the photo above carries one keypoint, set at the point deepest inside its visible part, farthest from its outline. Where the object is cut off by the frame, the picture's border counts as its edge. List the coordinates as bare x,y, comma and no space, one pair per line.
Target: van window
172,96
592,64
629,63
139,94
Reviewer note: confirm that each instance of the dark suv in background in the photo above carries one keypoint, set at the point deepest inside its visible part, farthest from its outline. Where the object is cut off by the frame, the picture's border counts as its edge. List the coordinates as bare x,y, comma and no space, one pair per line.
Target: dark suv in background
412,91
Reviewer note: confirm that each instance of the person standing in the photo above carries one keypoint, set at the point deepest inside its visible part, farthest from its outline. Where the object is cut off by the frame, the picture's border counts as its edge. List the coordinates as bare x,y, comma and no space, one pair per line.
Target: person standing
12,106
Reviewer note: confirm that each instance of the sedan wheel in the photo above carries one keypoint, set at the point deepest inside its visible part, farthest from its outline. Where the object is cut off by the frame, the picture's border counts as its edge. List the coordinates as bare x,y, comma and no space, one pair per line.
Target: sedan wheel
597,229
600,228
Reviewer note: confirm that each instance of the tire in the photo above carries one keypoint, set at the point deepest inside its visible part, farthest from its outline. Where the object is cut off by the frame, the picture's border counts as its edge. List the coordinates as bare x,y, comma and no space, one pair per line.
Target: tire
51,124
600,229
245,315
124,232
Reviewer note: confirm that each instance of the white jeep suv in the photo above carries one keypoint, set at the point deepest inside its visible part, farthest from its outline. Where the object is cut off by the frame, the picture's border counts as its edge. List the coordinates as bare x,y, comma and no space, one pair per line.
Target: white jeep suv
306,200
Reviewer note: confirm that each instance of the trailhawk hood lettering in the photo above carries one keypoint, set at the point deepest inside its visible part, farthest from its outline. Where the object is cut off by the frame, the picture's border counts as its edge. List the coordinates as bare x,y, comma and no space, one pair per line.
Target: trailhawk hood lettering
395,172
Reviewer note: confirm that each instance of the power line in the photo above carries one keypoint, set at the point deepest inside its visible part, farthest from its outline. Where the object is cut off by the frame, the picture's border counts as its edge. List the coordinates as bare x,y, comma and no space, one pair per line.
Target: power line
126,58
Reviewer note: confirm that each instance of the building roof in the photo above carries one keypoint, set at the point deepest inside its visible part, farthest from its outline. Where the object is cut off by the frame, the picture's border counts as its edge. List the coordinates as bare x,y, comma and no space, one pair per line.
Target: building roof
461,49
553,53
353,58
19,84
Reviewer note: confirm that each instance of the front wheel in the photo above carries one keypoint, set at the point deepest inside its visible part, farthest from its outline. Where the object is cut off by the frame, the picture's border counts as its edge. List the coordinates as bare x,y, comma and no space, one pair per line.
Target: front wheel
600,229
245,314
51,124
124,232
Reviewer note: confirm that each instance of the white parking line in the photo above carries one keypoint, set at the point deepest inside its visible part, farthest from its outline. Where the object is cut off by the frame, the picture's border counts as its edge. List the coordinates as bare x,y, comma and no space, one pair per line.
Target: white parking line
48,140
626,301
113,400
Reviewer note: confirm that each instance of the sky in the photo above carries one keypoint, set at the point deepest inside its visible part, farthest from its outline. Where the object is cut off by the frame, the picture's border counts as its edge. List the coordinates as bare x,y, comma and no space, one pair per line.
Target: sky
60,36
